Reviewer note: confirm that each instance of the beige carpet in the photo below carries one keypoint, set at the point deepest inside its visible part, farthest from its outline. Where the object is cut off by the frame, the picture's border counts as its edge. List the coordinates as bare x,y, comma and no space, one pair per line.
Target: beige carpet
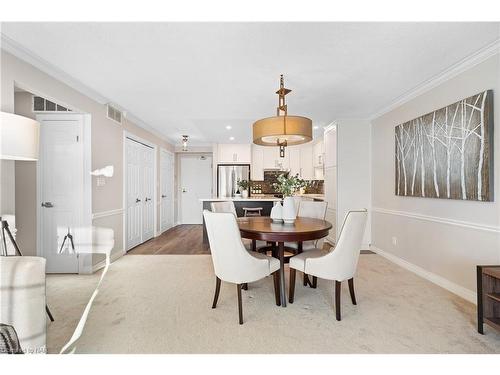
162,304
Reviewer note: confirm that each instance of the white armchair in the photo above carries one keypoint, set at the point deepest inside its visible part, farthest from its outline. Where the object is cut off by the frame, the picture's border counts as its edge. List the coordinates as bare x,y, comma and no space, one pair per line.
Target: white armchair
22,300
338,264
232,262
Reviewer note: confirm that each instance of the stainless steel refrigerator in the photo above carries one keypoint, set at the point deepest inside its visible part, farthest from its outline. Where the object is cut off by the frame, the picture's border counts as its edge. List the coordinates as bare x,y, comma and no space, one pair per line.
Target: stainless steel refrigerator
228,176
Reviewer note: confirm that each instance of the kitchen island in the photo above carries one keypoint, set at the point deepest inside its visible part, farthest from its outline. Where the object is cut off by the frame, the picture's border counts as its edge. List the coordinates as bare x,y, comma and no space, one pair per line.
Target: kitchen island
266,203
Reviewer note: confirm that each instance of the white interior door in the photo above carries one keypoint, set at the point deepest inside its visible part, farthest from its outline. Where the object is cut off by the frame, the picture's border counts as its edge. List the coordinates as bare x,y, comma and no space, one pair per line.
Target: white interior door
196,183
148,183
133,191
139,192
60,187
166,190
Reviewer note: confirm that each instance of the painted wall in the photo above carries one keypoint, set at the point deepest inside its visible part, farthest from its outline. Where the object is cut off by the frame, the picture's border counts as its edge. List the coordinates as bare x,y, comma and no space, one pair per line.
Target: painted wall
446,238
7,187
353,170
107,141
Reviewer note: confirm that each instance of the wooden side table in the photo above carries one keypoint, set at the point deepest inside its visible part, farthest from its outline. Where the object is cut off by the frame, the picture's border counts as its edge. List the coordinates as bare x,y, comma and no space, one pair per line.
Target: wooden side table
488,297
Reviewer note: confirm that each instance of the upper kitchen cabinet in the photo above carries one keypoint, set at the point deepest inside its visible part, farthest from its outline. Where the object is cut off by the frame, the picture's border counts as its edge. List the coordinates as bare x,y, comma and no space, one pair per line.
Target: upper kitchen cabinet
272,158
318,154
257,167
293,159
306,162
330,139
229,153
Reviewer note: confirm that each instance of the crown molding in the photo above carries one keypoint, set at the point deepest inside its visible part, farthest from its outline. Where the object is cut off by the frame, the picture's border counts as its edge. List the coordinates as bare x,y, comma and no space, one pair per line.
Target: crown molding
14,48
454,70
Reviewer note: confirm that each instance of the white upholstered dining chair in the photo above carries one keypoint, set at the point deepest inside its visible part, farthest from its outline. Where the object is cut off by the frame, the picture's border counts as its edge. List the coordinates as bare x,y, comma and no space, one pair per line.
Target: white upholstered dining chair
232,261
315,210
338,264
228,207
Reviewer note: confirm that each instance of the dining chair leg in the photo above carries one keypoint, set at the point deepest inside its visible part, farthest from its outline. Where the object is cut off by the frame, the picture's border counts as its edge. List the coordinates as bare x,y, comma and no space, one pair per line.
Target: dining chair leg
244,286
291,294
276,277
351,290
338,288
281,251
240,307
315,282
217,290
307,281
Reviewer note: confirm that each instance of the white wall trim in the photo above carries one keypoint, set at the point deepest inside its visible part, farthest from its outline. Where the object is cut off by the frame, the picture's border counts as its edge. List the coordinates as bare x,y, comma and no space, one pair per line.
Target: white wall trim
436,219
460,291
117,254
454,70
11,46
99,215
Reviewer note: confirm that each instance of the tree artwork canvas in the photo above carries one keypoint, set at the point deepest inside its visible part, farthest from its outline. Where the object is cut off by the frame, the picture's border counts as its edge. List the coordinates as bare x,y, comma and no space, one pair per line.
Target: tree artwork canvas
448,153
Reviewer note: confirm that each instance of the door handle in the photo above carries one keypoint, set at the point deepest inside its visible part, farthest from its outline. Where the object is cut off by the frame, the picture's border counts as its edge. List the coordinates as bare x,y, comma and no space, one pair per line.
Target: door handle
47,204
147,199
163,196
184,190
137,200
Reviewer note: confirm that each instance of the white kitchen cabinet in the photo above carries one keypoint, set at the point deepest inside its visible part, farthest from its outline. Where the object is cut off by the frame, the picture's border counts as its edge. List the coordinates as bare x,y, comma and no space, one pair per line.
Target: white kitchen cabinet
234,153
330,146
331,216
306,162
331,187
272,158
298,160
318,154
257,167
294,162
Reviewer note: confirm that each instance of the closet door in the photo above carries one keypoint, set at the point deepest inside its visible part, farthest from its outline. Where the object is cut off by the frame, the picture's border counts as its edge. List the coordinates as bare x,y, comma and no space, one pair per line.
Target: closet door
148,182
134,196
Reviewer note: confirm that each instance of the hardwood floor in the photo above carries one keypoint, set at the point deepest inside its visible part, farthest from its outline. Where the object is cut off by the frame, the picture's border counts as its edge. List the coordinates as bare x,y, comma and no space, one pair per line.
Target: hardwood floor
182,239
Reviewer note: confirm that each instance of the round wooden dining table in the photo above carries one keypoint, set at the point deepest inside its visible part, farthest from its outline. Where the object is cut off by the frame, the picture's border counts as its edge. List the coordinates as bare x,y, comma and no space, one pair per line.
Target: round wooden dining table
262,228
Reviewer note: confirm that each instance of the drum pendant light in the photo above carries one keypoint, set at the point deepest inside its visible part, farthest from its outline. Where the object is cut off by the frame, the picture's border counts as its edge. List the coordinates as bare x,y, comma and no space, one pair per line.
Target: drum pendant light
282,130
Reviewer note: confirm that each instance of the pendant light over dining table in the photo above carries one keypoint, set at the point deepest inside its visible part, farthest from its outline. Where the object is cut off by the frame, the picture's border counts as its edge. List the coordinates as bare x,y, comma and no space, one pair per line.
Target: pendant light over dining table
282,130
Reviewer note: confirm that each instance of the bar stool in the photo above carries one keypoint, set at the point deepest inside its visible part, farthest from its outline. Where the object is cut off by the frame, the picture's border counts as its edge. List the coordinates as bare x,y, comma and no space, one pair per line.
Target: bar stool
252,211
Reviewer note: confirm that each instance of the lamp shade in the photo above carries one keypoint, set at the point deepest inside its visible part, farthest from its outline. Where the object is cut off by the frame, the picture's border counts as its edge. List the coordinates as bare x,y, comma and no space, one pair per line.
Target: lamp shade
294,130
18,137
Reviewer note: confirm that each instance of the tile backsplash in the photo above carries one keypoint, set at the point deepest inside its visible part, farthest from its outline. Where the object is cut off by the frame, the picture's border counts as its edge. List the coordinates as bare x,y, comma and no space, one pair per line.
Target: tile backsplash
266,186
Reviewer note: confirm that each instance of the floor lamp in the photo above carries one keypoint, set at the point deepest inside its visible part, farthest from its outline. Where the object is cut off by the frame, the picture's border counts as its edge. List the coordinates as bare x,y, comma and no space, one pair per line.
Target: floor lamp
18,141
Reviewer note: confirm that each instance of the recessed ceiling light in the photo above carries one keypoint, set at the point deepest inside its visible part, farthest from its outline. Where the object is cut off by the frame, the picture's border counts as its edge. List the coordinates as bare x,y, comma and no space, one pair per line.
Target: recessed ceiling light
316,127
231,138
229,127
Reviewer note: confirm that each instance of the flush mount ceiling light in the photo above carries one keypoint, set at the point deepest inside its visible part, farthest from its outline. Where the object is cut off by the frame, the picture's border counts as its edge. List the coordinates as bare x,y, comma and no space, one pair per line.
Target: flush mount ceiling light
282,130
185,142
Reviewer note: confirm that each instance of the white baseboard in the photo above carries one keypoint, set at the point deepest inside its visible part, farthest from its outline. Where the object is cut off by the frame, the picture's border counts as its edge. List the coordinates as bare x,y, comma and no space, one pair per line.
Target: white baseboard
114,256
460,291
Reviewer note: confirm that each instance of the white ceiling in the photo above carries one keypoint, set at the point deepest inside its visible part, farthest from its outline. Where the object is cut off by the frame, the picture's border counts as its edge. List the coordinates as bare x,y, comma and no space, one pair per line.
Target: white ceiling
197,78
